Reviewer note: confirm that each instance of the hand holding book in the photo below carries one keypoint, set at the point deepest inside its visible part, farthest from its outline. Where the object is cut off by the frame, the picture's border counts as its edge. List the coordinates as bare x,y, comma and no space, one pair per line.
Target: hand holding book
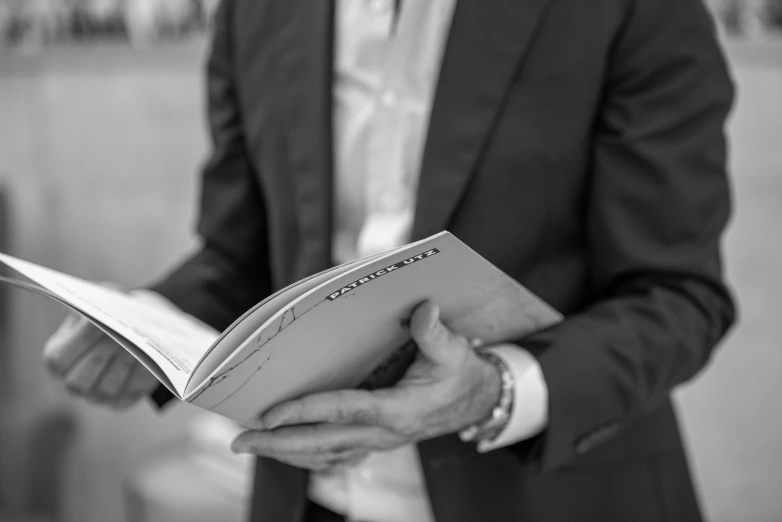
330,331
447,388
94,366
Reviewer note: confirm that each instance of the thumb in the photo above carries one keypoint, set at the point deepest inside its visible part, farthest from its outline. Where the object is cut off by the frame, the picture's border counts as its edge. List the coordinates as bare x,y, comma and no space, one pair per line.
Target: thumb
439,344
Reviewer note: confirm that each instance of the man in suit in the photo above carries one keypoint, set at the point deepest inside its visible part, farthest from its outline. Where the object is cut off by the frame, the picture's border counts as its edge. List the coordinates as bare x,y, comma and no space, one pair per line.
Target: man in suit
576,145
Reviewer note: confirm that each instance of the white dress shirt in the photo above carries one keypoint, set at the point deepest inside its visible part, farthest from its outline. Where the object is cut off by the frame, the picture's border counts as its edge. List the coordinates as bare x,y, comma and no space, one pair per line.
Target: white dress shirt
385,71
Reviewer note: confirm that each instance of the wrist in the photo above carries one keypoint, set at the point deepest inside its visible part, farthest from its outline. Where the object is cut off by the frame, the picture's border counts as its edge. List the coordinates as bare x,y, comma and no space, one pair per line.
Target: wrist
488,394
529,412
493,403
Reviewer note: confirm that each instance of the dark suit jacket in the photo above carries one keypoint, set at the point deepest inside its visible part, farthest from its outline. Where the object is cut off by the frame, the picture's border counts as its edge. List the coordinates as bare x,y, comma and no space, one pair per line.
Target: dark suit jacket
579,147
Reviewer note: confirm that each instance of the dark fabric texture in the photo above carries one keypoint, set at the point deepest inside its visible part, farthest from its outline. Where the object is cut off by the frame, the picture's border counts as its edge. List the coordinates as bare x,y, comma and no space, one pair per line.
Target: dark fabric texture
579,147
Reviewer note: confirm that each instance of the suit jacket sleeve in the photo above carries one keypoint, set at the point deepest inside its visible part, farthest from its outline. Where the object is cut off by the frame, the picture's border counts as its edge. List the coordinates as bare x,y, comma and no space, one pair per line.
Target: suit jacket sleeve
657,204
230,272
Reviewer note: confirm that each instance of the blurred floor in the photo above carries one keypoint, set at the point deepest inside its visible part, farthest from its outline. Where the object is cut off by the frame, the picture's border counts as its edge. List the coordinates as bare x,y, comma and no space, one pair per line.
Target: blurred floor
100,152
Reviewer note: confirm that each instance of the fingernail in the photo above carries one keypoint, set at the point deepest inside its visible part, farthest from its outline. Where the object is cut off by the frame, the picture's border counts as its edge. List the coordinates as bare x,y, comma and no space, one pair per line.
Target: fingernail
435,317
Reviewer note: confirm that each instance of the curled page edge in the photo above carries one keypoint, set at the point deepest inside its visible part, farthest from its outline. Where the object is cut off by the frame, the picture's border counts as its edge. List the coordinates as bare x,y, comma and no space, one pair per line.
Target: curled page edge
140,356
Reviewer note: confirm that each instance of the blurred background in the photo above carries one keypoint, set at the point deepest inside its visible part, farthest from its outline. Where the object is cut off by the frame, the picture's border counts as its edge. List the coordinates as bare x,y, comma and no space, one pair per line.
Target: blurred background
101,135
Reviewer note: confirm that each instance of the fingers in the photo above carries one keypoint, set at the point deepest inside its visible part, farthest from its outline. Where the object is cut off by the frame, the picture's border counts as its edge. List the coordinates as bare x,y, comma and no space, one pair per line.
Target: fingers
436,341
124,382
336,407
86,373
72,340
115,376
140,383
349,460
321,439
323,461
94,366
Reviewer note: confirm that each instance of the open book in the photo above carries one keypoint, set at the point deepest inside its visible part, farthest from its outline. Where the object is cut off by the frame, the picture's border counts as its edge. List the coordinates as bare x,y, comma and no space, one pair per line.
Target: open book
327,331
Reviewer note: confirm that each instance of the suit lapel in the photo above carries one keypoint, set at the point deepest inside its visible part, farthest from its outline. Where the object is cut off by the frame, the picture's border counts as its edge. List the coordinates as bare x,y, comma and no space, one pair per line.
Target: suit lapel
487,43
485,50
306,52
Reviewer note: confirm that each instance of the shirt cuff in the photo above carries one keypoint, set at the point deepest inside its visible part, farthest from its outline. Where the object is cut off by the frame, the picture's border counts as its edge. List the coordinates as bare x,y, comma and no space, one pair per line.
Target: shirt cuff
529,414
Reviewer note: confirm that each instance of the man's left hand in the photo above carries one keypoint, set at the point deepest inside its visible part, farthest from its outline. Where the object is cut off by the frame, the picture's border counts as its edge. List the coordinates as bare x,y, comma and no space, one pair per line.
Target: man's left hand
447,388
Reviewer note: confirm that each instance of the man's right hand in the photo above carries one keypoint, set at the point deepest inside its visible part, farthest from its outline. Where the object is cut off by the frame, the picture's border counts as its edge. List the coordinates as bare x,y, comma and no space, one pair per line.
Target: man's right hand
94,366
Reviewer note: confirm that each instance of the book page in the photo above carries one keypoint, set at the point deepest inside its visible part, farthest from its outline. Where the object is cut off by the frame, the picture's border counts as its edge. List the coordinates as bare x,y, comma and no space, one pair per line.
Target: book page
244,327
336,334
174,341
142,357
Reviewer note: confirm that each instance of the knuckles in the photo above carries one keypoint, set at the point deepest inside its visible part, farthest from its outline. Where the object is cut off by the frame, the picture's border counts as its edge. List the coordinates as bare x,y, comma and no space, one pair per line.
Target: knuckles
368,415
328,461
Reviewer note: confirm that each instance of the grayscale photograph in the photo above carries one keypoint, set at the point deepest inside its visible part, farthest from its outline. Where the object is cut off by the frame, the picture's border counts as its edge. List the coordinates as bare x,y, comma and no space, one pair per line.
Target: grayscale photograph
390,260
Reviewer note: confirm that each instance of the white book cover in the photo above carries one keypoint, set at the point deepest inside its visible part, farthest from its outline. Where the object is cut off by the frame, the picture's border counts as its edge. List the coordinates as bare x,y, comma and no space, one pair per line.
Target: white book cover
326,332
